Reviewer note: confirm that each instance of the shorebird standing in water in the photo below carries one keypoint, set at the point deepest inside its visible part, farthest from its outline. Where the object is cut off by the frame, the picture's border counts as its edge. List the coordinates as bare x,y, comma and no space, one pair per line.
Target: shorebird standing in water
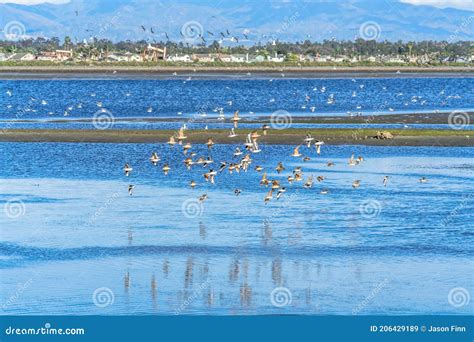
127,169
385,180
130,189
232,133
356,184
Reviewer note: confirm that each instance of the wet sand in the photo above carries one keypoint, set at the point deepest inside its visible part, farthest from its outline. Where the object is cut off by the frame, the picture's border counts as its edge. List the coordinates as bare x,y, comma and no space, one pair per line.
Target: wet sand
361,136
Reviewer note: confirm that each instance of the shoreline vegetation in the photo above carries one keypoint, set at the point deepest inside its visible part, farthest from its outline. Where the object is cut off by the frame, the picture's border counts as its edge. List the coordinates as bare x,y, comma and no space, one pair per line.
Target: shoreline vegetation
290,136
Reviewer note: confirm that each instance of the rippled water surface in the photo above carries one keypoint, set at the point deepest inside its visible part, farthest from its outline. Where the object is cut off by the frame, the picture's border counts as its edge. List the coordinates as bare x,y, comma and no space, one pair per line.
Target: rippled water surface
398,249
39,99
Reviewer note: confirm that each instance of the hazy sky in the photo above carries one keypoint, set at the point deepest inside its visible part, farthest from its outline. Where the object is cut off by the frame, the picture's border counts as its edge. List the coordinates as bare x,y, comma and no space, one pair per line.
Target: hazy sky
461,4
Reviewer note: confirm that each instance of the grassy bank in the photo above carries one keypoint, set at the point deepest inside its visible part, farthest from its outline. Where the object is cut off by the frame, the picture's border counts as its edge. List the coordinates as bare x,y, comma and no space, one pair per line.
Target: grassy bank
287,136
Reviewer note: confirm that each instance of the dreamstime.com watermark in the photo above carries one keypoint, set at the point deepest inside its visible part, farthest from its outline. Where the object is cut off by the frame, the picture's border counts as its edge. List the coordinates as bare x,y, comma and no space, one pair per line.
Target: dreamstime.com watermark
19,291
370,297
46,330
191,298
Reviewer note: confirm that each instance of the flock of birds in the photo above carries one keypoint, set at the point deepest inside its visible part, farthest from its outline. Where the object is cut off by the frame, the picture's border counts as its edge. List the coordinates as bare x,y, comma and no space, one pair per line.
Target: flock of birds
309,101
243,159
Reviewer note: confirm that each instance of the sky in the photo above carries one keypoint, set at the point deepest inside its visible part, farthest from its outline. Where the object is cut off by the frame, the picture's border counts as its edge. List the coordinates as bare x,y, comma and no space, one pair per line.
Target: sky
460,4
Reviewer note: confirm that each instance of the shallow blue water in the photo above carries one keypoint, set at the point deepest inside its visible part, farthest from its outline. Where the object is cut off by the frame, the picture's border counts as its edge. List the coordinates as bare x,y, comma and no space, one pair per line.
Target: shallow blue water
133,98
409,243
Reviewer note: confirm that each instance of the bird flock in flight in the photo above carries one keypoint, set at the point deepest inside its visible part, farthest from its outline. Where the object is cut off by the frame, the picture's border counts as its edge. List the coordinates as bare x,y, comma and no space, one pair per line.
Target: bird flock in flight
242,160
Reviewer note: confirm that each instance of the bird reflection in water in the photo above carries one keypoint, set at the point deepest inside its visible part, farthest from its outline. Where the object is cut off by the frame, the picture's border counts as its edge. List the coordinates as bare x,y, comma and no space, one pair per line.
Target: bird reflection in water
126,281
188,273
166,268
245,295
267,233
153,290
202,231
234,271
276,271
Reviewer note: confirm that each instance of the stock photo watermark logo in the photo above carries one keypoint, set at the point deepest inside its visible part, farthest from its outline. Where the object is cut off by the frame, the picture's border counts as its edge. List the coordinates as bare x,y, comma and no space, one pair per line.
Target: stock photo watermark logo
191,298
459,297
280,119
192,208
458,120
103,119
192,31
370,30
375,291
281,297
14,208
19,291
14,30
370,208
103,297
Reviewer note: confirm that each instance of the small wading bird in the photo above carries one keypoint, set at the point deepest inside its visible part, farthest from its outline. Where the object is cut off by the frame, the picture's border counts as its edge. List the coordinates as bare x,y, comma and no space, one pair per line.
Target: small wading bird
130,189
385,180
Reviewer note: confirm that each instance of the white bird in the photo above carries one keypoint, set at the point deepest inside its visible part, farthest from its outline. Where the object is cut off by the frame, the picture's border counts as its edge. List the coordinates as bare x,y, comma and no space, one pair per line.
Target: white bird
232,133
154,158
318,144
127,169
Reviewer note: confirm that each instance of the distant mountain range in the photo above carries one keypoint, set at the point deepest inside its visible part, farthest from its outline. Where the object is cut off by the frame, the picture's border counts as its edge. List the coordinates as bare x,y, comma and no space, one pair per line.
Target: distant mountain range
248,21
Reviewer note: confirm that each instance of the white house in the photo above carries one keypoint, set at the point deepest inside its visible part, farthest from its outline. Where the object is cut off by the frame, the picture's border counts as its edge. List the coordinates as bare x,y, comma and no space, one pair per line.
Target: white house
276,58
239,58
176,58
